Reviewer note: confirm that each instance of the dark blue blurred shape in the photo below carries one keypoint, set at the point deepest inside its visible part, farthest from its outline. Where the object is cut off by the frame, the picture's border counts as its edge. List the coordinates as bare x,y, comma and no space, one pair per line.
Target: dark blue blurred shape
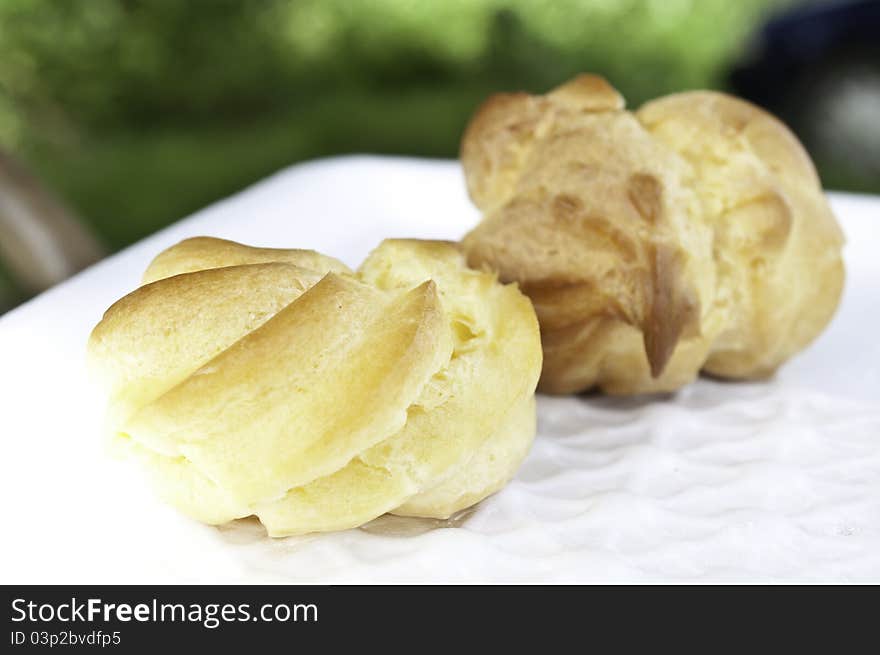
791,44
817,67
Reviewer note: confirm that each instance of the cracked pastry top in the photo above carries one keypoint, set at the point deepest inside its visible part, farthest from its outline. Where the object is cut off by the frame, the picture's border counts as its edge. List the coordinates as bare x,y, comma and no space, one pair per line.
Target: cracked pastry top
690,235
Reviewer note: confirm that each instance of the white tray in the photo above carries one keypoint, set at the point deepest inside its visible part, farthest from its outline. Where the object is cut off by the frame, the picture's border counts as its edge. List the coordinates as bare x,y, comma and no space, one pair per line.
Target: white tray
723,482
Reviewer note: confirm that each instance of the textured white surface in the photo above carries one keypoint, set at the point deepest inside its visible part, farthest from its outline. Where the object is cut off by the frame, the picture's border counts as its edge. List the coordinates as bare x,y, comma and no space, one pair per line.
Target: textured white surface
722,482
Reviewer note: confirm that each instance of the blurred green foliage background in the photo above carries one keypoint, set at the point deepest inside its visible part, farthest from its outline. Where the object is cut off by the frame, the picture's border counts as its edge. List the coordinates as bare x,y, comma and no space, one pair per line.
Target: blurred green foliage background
139,112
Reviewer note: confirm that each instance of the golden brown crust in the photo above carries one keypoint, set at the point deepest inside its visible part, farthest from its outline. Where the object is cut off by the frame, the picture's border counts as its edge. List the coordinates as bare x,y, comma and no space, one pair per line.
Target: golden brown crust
494,142
691,234
202,253
588,92
315,399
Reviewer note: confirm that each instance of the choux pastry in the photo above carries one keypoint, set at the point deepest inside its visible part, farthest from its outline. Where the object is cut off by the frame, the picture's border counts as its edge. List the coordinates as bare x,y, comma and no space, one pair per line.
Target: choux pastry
690,235
278,383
